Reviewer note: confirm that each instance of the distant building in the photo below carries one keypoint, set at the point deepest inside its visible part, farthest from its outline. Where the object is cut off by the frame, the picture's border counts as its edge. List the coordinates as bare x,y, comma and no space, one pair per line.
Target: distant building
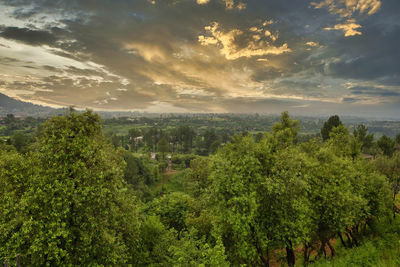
138,139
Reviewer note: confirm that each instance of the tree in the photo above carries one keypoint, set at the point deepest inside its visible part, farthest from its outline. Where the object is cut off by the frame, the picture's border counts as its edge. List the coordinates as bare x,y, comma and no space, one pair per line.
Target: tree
286,131
387,145
236,177
173,209
75,209
342,143
14,179
333,121
132,134
390,167
20,141
136,171
193,251
398,139
9,119
361,134
259,197
285,210
163,146
210,137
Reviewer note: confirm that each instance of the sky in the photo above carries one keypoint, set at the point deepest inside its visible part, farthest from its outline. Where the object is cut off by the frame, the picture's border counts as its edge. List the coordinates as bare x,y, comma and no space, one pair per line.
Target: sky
310,57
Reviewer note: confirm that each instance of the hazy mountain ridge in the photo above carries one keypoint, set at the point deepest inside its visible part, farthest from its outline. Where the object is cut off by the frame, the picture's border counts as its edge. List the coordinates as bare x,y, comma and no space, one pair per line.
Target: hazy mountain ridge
9,105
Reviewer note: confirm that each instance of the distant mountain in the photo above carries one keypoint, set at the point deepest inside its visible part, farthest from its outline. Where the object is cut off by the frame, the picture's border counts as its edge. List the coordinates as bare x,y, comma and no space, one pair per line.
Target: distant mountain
19,108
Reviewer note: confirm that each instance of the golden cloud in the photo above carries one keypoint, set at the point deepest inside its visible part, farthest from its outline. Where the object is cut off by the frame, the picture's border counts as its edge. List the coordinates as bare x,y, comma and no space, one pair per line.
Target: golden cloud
349,28
235,43
202,2
347,9
312,44
230,4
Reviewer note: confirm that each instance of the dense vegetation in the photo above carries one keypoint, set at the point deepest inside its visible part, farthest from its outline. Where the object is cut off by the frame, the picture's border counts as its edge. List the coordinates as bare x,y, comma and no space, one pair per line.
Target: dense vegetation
71,196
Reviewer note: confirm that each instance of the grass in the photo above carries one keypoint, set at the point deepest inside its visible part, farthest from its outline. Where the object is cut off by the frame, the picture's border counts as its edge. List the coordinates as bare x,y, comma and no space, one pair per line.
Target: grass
382,250
170,182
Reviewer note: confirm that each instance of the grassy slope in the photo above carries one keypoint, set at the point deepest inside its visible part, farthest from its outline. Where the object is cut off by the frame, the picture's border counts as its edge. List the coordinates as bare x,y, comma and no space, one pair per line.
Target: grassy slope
382,250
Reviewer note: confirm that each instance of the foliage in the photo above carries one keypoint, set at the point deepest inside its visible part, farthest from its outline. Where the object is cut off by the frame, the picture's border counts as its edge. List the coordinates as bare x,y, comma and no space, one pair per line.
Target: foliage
261,197
333,121
191,251
387,145
361,134
74,176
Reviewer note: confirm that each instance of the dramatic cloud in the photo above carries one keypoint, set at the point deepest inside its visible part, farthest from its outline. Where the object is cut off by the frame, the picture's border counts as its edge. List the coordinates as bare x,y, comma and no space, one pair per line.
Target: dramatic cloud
308,57
348,9
349,28
235,43
28,36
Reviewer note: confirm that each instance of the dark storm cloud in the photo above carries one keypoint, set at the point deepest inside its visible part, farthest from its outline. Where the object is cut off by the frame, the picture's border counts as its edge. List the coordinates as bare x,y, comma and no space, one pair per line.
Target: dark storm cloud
373,55
373,91
137,53
28,36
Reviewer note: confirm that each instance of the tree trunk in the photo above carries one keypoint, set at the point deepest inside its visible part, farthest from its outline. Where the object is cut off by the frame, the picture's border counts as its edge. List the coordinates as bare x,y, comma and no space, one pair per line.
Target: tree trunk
341,239
291,259
349,240
306,256
394,204
353,238
322,249
333,251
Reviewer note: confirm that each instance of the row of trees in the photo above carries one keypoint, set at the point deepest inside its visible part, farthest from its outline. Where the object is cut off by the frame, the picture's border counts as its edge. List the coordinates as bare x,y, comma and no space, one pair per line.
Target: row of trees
274,194
70,200
182,139
384,144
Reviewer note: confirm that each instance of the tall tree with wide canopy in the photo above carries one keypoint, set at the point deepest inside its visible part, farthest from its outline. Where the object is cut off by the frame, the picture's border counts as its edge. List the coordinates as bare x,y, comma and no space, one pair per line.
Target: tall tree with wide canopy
75,209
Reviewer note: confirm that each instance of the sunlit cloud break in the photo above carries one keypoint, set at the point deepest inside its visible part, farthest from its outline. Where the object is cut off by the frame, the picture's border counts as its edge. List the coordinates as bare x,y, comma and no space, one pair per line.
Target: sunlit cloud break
236,43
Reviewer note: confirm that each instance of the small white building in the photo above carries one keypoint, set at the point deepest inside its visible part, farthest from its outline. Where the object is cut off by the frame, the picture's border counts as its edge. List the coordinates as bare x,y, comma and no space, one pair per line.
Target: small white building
138,139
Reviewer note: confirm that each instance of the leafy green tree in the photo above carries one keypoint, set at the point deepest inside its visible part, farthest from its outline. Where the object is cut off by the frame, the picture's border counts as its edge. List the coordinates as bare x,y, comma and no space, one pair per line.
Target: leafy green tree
198,176
397,139
137,171
185,136
132,134
155,241
193,251
209,138
163,146
286,131
214,146
390,167
285,210
236,176
342,143
387,145
333,121
10,119
75,209
173,209
361,134
335,202
14,179
21,142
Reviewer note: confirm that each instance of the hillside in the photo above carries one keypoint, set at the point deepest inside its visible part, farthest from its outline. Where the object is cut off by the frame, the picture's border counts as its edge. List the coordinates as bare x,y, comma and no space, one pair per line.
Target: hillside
10,105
